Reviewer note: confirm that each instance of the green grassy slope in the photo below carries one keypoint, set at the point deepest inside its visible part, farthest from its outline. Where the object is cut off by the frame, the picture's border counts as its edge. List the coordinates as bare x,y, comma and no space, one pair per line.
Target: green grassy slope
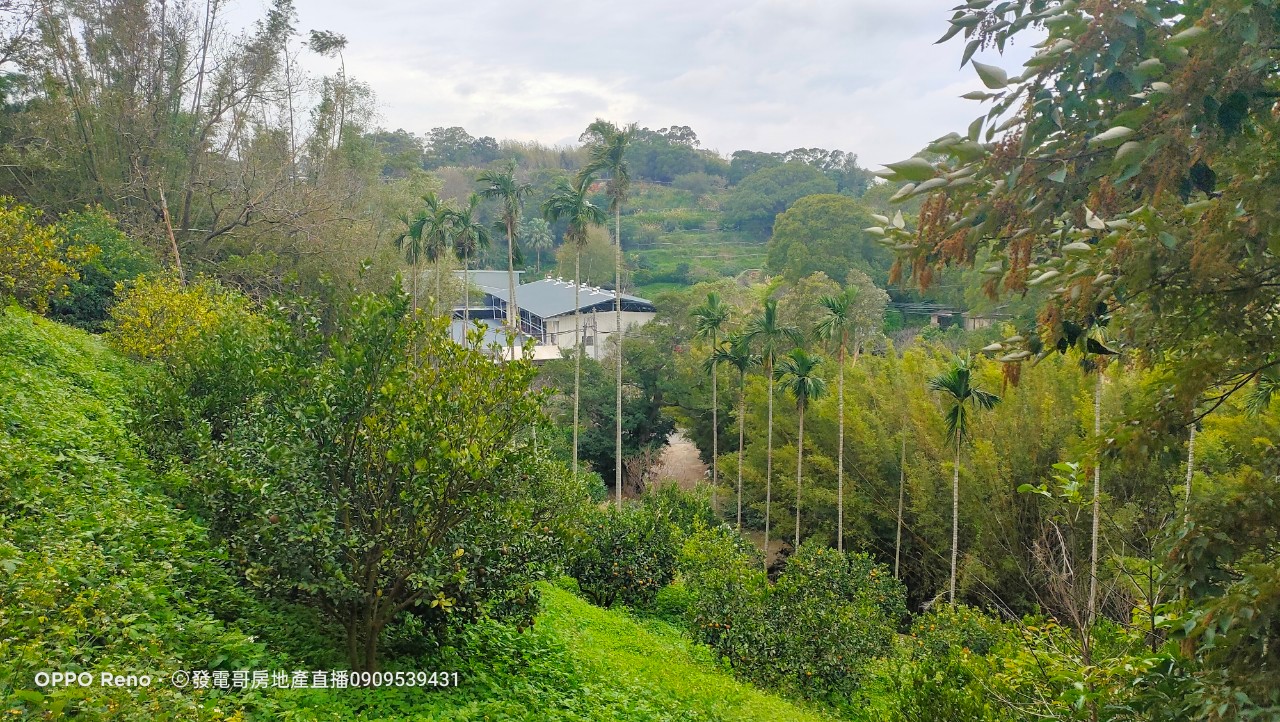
100,572
578,662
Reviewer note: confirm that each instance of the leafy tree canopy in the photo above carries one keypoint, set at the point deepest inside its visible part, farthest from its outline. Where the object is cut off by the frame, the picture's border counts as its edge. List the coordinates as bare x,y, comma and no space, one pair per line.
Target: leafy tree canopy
754,203
825,233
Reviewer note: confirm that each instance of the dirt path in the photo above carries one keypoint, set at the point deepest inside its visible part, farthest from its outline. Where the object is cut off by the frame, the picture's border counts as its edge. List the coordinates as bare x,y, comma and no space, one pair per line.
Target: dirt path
680,463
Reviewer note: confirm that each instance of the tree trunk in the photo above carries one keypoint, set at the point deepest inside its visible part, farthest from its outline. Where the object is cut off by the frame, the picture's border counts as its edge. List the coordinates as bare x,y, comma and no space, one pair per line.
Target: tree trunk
742,427
715,424
617,306
415,284
1191,466
768,465
1097,507
799,472
173,241
466,295
955,516
902,484
439,300
840,452
577,351
513,310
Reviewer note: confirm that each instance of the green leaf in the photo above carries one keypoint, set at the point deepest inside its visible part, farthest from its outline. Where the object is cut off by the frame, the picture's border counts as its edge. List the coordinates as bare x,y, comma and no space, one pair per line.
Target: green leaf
1187,36
992,76
1112,135
1059,175
913,169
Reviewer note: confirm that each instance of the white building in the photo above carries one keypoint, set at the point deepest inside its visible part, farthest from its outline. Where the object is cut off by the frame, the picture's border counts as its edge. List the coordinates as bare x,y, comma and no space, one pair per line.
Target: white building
547,313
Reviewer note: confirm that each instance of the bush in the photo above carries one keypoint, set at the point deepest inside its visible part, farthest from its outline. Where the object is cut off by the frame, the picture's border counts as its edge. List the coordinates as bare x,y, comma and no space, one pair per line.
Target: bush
101,275
812,633
33,266
160,318
952,630
629,554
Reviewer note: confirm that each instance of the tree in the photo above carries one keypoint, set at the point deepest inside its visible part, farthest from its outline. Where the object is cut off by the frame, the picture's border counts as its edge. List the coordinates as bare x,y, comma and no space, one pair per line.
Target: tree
826,233
1124,170
410,243
961,392
511,194
767,331
469,236
607,149
536,234
710,320
569,203
797,372
737,354
427,235
834,329
327,44
754,203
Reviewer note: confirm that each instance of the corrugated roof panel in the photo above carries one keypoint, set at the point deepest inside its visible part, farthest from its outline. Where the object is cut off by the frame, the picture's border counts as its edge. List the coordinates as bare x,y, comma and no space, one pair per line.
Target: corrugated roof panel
552,297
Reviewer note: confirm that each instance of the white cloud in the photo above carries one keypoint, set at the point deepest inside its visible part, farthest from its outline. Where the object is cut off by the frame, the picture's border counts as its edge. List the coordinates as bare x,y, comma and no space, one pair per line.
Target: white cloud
857,75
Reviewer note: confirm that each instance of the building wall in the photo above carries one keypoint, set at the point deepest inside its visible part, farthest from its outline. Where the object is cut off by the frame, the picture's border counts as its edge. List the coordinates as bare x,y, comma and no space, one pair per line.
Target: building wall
598,328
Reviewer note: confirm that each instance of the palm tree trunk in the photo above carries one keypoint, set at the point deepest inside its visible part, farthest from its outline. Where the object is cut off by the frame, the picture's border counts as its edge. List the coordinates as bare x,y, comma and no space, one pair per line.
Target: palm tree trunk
715,425
799,473
577,352
1097,507
439,292
955,516
415,285
466,294
840,452
742,427
1191,465
902,484
513,310
768,466
617,306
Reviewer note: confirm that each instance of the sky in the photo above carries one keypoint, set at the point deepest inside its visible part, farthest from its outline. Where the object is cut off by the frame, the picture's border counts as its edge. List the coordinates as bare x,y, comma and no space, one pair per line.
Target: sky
769,75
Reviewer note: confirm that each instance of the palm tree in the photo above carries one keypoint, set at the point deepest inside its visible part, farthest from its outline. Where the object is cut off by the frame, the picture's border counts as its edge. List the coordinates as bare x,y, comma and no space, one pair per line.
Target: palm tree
569,203
425,236
709,321
535,233
607,148
1267,386
410,243
960,391
737,353
470,236
834,328
511,194
797,372
771,334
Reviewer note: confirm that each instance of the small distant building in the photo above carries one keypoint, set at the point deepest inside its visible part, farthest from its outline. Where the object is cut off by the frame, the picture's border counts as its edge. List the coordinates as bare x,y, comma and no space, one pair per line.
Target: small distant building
547,313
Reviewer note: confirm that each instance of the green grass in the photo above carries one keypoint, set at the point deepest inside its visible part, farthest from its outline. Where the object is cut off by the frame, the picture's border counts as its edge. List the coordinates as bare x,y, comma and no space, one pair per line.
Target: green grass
100,571
578,662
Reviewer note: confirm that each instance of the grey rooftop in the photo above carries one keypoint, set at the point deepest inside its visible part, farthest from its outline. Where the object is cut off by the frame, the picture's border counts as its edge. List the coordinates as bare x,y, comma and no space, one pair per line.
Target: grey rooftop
554,297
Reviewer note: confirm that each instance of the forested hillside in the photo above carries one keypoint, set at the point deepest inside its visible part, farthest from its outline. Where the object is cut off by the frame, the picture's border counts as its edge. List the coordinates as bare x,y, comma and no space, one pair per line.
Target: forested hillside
989,434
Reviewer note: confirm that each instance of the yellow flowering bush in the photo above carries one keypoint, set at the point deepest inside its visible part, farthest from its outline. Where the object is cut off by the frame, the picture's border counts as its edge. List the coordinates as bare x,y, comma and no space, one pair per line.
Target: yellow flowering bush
33,266
158,317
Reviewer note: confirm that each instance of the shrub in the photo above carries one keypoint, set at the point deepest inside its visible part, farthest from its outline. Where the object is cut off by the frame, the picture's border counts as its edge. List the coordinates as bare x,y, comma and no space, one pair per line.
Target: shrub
952,630
629,554
101,275
160,318
33,267
813,632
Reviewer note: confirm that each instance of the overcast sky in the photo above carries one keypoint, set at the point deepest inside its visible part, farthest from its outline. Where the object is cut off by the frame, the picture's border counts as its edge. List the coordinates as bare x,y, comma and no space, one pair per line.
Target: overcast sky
858,75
